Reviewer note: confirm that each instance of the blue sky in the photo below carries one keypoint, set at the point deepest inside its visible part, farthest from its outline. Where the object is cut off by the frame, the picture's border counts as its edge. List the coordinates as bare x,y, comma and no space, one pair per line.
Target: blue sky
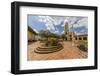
55,24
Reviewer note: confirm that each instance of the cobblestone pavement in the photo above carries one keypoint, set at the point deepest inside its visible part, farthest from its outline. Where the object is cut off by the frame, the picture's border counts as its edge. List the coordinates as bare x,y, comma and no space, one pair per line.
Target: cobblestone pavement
68,52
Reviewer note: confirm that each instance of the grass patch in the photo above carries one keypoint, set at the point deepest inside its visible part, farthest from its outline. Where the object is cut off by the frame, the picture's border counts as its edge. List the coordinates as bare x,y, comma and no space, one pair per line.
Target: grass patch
85,43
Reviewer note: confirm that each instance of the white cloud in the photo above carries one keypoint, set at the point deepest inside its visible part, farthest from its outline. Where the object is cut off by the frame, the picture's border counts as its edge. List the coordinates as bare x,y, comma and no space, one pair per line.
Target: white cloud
56,31
52,21
49,22
62,32
83,22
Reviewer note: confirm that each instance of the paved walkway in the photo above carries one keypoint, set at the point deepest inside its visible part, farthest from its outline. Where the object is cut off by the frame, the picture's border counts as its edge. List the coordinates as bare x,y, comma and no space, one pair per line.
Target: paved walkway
68,52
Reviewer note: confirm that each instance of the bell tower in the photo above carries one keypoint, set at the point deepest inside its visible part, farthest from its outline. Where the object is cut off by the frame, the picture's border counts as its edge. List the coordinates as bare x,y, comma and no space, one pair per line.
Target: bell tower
66,29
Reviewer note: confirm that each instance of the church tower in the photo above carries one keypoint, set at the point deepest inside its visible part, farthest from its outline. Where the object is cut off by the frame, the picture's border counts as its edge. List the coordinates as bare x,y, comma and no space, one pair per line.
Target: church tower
66,28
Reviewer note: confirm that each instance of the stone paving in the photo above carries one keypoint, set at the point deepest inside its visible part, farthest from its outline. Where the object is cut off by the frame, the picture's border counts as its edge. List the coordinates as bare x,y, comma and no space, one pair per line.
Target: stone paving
68,52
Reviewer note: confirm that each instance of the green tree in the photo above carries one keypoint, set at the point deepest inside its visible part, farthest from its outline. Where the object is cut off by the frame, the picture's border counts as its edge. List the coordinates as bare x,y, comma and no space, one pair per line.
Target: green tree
63,36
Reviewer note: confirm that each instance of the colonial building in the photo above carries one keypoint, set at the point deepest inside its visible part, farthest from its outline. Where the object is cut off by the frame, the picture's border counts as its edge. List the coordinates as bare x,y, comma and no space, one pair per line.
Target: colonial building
81,37
70,36
31,34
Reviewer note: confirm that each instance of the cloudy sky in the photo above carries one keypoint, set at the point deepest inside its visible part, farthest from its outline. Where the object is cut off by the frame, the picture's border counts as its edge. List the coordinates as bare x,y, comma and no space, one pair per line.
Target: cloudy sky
55,24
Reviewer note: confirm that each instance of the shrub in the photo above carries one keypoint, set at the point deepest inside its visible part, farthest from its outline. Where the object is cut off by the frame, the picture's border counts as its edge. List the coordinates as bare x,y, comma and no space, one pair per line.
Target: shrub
83,45
51,41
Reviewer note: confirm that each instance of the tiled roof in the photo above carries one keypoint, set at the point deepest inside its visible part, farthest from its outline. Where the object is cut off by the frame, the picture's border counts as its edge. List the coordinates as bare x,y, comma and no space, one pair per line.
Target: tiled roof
31,30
